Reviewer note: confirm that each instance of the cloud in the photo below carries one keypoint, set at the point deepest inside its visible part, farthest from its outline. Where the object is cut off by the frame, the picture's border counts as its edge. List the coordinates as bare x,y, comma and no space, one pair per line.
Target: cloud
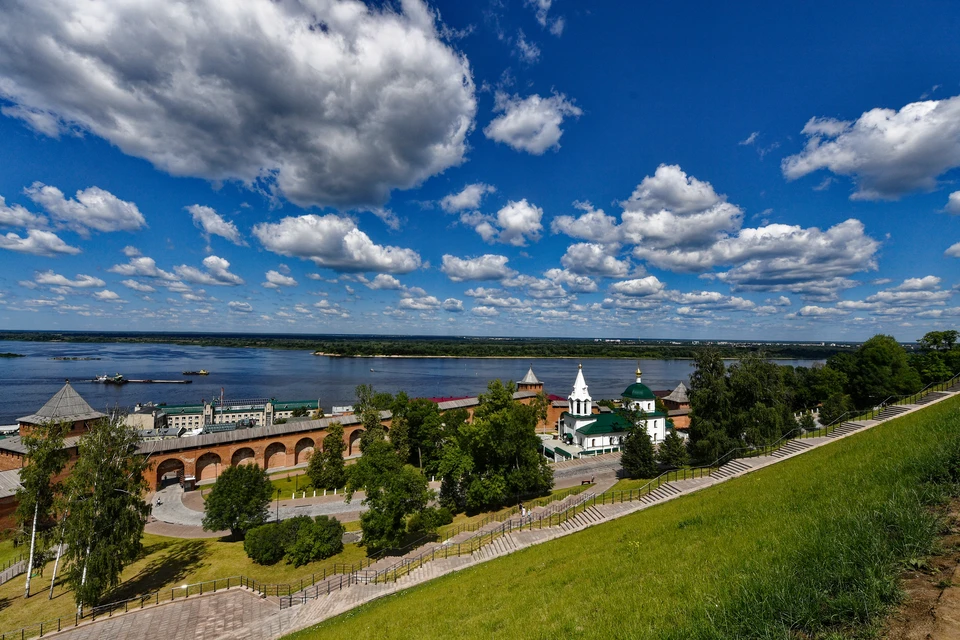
306,100
17,216
587,258
212,224
953,251
670,209
92,208
137,286
486,267
638,287
38,243
887,153
541,9
275,280
240,307
217,273
593,225
57,280
813,311
140,266
750,139
484,312
453,305
107,296
926,283
953,203
530,124
528,51
515,224
334,242
385,282
575,282
423,303
468,199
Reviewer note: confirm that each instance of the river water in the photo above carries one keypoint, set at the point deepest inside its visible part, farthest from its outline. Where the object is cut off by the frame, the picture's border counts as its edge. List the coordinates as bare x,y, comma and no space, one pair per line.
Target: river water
27,383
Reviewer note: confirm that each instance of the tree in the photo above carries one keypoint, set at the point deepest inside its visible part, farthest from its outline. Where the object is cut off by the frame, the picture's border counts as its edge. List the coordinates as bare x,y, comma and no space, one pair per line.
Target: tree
761,408
103,531
638,457
326,467
494,459
881,370
239,500
807,423
834,407
46,458
710,406
315,540
264,544
673,450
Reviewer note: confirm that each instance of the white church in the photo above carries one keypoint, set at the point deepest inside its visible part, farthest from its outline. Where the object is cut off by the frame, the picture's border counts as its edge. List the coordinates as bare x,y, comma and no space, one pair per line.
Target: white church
596,432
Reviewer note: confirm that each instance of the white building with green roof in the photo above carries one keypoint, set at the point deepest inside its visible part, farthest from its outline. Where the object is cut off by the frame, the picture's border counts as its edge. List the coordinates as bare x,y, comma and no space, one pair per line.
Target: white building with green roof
604,432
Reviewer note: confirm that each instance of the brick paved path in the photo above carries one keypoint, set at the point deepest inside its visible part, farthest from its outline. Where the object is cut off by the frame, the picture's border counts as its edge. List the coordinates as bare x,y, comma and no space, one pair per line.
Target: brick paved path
238,614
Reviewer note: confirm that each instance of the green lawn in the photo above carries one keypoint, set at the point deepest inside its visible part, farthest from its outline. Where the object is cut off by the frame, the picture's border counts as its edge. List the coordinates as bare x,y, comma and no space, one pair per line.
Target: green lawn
808,548
165,563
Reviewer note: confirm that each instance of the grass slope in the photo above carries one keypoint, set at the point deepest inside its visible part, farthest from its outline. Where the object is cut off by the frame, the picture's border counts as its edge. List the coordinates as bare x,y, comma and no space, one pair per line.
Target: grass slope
164,563
810,547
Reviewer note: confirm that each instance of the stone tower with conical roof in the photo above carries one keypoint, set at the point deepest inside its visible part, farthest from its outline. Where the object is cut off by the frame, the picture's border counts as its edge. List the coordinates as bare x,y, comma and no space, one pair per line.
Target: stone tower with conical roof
530,382
66,407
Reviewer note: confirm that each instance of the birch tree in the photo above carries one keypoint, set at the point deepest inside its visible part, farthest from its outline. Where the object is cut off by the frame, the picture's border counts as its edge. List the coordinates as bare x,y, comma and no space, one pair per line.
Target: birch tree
46,458
103,531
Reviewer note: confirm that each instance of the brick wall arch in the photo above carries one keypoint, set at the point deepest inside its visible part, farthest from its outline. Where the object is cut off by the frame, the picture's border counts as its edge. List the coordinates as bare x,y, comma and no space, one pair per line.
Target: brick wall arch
275,455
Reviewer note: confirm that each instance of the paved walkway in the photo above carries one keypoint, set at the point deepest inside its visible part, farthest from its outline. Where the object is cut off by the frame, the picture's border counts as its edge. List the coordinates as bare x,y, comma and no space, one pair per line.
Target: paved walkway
230,614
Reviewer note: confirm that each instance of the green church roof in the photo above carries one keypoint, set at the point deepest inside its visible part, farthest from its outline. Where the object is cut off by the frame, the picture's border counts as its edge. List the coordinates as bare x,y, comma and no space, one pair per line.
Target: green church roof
638,391
605,423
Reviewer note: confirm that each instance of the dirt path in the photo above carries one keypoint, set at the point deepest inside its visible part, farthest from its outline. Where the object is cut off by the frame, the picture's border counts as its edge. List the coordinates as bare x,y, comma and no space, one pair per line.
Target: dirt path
931,609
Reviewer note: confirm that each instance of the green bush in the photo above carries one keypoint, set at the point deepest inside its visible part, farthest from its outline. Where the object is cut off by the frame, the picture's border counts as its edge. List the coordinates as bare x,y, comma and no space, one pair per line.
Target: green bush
316,539
264,544
429,520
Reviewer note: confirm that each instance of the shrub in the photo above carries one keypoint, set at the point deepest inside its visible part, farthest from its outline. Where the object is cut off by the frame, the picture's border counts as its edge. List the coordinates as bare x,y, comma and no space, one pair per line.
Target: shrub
264,544
316,539
429,520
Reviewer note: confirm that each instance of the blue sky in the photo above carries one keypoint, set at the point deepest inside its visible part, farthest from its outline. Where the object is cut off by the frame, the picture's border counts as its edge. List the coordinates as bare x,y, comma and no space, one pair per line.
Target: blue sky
507,167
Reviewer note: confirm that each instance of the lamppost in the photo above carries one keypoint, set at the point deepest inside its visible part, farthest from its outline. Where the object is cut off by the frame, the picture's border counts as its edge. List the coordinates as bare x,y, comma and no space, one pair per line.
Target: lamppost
278,505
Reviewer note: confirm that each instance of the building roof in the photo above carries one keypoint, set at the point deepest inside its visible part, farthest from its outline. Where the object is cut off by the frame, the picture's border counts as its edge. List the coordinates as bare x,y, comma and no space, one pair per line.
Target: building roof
66,405
9,482
530,378
678,395
605,423
638,391
580,391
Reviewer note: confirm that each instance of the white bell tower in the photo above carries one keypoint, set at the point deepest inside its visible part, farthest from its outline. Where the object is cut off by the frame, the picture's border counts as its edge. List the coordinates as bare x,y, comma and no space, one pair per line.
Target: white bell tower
580,402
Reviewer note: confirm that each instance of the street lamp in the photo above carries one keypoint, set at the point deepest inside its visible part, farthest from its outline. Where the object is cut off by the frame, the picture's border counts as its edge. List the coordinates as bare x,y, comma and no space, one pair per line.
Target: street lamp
278,505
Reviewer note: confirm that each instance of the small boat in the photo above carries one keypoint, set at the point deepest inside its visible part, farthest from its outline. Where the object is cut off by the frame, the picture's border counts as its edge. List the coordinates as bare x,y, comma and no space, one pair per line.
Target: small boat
202,372
105,379
371,371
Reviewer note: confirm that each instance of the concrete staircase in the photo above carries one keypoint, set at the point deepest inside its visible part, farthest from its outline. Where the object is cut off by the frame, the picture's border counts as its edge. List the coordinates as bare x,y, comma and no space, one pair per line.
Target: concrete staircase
891,411
931,397
845,428
790,448
589,516
732,468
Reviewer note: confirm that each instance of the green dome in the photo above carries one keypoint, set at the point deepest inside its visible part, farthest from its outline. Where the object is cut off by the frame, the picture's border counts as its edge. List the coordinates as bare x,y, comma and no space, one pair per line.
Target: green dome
638,391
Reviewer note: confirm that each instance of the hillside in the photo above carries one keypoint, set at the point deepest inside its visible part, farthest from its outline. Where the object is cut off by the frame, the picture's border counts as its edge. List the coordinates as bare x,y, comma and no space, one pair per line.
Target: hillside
813,544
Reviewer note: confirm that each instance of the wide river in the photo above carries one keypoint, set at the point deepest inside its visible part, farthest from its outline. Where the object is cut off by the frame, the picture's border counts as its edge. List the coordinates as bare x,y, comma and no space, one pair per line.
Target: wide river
27,383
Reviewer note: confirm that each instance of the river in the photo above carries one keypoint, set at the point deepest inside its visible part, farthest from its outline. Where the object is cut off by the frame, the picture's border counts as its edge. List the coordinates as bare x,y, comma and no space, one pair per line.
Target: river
27,383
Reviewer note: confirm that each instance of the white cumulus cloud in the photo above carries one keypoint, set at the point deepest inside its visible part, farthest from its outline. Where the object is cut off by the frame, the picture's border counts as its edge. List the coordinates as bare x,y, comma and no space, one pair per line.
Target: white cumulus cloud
530,124
92,208
468,199
38,243
486,267
55,279
213,224
638,287
953,203
888,153
334,242
590,259
306,99
216,273
275,280
17,216
953,251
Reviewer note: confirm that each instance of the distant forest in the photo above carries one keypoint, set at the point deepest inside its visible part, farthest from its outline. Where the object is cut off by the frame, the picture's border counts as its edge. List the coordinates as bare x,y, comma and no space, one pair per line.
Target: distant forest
424,346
